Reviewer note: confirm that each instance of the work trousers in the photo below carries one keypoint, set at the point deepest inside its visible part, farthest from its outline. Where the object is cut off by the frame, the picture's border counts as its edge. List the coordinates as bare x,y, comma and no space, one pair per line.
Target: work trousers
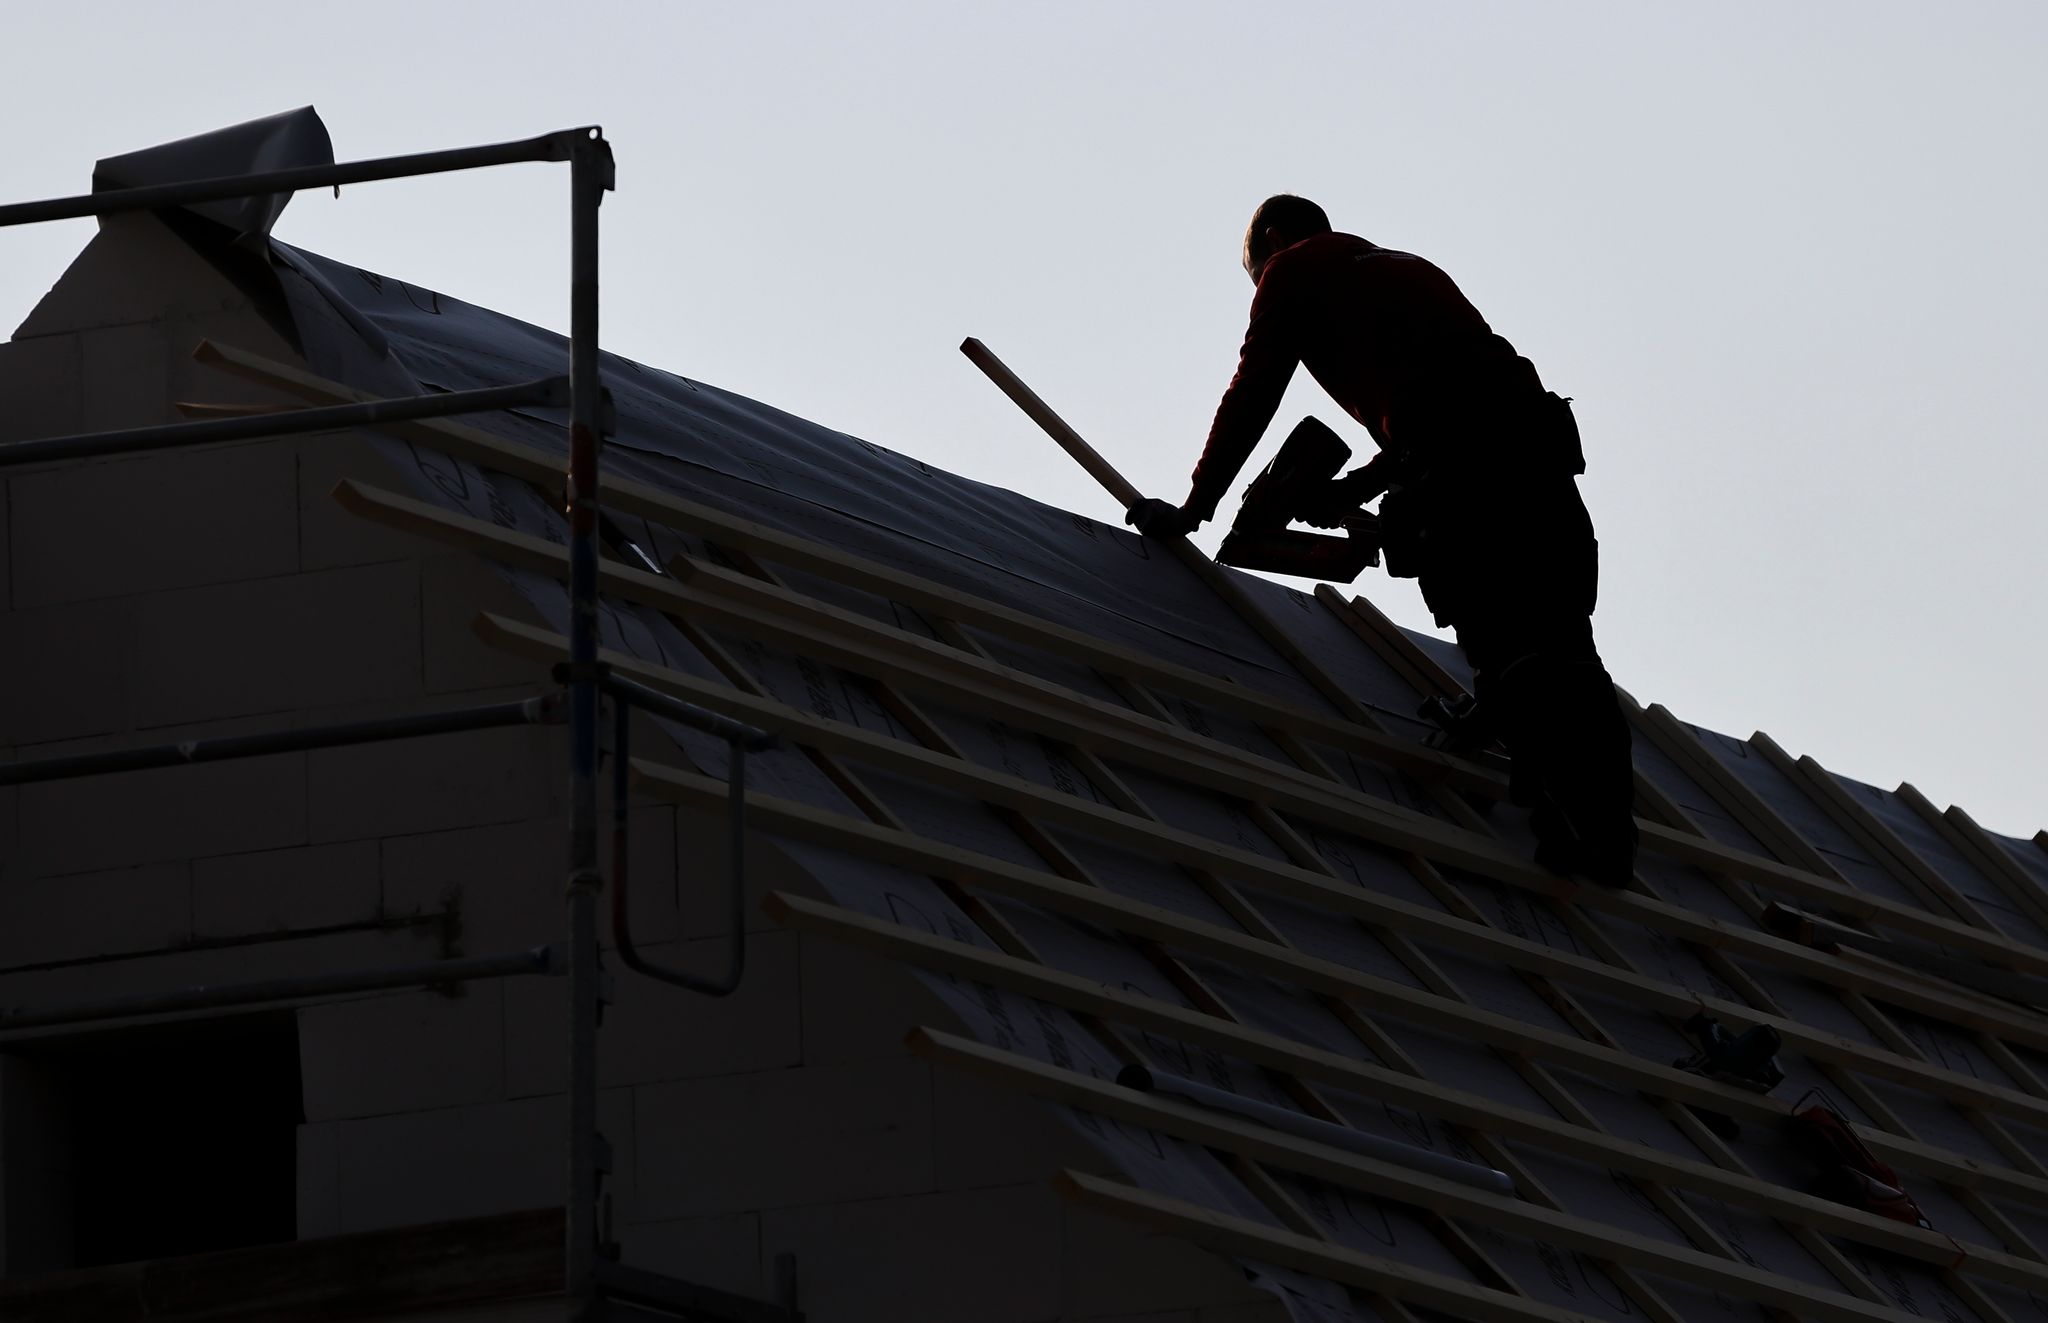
1514,568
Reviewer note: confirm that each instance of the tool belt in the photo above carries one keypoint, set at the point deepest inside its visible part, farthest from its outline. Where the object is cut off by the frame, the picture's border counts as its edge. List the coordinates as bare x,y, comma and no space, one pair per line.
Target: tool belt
1495,449
1403,530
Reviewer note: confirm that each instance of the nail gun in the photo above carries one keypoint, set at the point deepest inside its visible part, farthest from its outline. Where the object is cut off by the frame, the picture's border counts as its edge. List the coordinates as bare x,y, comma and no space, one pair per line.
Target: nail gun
1260,539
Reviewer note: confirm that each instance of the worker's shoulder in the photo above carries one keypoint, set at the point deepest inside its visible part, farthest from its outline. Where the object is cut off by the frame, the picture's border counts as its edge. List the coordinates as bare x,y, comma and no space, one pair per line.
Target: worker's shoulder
1329,246
1334,252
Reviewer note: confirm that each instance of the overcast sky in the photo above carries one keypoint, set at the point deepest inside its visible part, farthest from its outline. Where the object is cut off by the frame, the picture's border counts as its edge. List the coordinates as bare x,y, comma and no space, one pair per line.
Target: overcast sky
1787,257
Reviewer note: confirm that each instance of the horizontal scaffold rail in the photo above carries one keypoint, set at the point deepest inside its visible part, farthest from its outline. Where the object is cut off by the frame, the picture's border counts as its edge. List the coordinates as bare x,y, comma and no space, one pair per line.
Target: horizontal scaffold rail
554,146
536,960
545,391
539,710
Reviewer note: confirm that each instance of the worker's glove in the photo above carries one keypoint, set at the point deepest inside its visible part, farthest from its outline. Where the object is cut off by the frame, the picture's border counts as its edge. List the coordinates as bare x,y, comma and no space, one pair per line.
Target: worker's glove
1161,519
1342,497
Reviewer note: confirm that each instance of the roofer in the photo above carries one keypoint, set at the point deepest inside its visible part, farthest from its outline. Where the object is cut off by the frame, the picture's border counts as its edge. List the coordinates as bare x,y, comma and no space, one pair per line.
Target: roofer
1478,464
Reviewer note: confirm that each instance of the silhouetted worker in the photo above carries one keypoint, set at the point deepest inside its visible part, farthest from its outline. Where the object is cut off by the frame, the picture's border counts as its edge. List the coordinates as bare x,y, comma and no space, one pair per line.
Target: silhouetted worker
1478,464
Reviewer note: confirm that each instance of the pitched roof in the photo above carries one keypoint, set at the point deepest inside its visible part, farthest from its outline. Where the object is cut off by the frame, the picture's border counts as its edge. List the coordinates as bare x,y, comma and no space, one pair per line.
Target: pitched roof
1119,808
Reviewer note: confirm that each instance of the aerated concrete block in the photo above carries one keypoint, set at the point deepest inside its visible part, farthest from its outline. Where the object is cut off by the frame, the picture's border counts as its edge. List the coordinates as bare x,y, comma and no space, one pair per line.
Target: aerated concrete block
40,388
419,1167
45,919
620,1128
477,778
858,1007
312,886
172,813
330,536
503,881
723,1253
987,1135
36,1216
319,1184
703,909
125,375
135,269
509,879
35,1122
238,326
409,1051
35,1168
1266,1309
452,590
1113,1267
6,546
655,1031
10,830
178,519
975,1256
64,672
783,1137
277,645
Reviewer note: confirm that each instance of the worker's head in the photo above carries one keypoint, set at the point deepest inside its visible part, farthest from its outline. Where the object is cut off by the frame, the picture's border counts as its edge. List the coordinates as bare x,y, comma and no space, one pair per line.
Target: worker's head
1281,221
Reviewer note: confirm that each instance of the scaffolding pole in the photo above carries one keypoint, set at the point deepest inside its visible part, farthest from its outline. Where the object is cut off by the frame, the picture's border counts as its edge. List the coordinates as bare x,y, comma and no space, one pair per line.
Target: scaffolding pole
590,176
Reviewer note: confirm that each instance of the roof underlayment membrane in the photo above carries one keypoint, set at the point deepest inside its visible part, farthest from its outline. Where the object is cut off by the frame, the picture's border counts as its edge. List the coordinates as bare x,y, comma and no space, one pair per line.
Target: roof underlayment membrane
747,459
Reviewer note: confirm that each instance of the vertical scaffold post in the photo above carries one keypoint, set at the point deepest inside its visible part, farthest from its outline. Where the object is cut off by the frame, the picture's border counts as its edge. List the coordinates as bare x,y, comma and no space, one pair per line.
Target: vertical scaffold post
590,167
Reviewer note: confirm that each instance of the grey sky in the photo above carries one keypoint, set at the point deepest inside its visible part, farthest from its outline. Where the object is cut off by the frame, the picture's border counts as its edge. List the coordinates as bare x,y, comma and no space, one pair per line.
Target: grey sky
1786,257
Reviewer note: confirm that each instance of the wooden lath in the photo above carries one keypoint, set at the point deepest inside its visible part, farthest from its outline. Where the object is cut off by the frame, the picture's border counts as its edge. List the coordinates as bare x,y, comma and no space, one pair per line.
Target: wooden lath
1245,1238
1401,653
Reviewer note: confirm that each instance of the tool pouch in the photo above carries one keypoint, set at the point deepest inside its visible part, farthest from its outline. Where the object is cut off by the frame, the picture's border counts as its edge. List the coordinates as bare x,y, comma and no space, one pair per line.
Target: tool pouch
1404,534
1557,438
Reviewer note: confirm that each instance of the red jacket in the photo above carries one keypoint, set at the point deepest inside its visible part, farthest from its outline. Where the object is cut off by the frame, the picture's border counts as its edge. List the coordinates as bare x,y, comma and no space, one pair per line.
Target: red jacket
1385,333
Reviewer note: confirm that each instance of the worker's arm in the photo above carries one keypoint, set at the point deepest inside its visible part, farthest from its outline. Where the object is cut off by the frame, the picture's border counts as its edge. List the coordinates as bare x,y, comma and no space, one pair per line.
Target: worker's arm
1264,366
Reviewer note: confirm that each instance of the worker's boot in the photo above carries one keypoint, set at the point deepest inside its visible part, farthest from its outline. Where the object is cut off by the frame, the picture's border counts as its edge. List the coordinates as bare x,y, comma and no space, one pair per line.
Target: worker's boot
1596,773
1569,746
